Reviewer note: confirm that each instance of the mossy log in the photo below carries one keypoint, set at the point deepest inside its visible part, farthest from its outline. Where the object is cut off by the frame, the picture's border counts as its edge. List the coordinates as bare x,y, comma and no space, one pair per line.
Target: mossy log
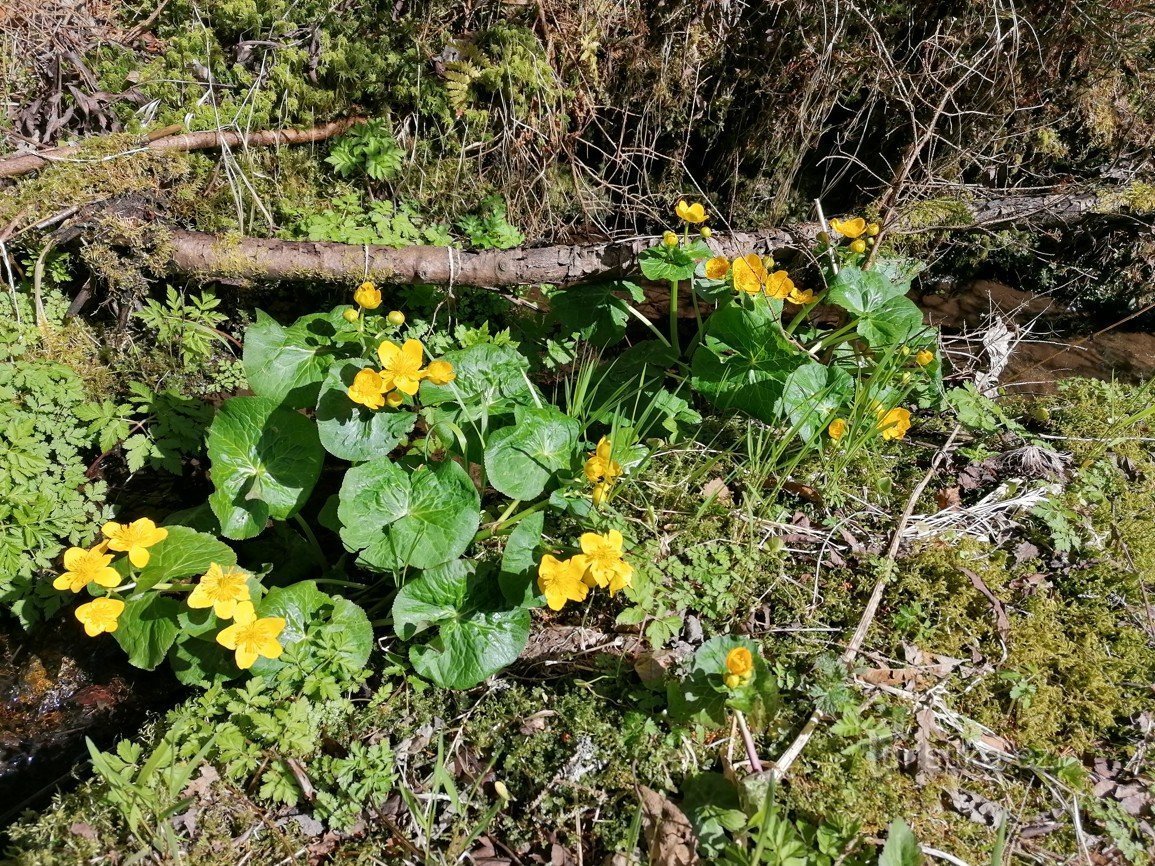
25,163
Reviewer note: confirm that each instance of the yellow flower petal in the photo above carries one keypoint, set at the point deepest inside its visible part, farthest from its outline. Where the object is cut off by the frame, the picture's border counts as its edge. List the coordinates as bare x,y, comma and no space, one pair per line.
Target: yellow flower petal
717,268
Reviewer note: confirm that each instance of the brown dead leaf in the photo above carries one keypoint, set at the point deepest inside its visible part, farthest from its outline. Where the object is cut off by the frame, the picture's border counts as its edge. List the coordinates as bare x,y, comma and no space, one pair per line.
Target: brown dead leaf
716,488
668,832
1002,621
928,763
947,497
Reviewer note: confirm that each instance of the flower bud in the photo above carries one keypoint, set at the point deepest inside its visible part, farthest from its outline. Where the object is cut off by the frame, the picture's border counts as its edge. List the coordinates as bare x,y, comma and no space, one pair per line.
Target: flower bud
395,317
394,399
824,238
350,315
858,246
705,232
873,229
669,239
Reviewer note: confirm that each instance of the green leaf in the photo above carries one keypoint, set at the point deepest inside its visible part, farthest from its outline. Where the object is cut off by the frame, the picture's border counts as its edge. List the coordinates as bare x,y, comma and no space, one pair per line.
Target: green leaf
901,847
185,553
745,359
488,376
354,432
303,604
265,461
596,311
147,628
701,696
197,662
517,577
396,518
859,292
893,323
814,395
663,263
475,637
520,460
287,365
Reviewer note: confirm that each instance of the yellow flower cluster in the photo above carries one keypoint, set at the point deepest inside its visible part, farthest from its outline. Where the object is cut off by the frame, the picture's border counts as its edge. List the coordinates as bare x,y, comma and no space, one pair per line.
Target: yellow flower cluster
602,471
250,636
739,667
599,564
892,424
83,567
853,229
368,297
401,373
750,275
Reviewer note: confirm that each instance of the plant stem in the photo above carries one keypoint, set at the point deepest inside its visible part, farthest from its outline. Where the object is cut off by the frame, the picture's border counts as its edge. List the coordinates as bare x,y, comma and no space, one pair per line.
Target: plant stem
675,344
501,524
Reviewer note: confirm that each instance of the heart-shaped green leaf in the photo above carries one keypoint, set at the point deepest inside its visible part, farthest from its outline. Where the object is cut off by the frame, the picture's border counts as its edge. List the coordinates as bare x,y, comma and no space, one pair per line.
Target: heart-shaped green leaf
813,396
396,518
745,359
487,376
521,459
859,292
892,323
518,574
287,365
354,432
265,461
184,553
346,627
477,635
147,628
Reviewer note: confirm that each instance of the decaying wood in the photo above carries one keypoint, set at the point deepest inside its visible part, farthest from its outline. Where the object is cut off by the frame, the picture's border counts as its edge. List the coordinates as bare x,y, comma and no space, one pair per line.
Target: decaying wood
21,164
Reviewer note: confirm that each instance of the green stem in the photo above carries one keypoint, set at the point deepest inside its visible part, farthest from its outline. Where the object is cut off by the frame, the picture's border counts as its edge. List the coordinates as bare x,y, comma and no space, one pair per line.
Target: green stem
637,315
498,525
675,343
834,338
797,320
310,537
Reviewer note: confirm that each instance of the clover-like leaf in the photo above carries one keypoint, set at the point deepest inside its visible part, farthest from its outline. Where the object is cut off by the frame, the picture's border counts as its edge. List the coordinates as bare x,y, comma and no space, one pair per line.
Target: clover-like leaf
351,431
745,359
396,518
265,461
287,365
813,395
477,633
521,459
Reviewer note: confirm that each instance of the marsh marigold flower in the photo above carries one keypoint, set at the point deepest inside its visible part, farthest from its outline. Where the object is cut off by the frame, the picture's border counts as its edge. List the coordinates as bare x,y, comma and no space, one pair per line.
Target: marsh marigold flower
350,315
401,365
395,317
440,372
739,667
368,389
800,297
82,567
252,637
601,467
561,580
134,538
895,423
717,268
599,494
669,239
368,296
858,246
852,228
749,274
100,615
691,213
221,590
924,357
837,428
601,557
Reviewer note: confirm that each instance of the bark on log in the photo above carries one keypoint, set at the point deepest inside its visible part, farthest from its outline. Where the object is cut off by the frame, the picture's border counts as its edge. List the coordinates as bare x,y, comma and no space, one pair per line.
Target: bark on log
15,166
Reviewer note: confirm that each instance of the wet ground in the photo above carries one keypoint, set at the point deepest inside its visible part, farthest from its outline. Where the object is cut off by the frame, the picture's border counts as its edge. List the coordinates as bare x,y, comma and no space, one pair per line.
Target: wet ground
57,687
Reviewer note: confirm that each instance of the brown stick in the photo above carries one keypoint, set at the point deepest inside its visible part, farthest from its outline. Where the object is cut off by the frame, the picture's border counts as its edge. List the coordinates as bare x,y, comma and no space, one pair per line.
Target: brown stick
15,166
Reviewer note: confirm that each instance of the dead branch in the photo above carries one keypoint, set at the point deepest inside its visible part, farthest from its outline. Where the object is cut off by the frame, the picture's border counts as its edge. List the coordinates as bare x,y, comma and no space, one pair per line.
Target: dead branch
15,166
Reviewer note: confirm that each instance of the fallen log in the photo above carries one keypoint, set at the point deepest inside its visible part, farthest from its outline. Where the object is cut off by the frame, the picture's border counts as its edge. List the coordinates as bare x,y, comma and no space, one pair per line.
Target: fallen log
24,163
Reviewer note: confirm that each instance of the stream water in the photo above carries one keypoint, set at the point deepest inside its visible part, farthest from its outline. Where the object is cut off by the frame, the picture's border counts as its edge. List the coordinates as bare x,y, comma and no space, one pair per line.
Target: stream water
58,687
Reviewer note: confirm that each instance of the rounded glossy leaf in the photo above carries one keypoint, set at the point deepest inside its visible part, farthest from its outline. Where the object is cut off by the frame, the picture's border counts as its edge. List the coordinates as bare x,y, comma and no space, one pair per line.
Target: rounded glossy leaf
814,395
859,292
521,459
396,518
745,359
184,553
354,432
147,628
301,605
265,462
287,365
487,375
476,634
895,322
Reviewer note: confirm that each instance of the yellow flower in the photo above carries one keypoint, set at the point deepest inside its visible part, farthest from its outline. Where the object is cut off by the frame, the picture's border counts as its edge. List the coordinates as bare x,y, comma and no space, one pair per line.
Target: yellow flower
100,615
739,666
401,365
717,268
837,428
924,357
135,538
251,637
749,274
599,493
440,372
601,466
779,285
395,317
394,399
82,567
669,239
851,228
561,581
691,213
873,229
350,315
858,246
894,423
801,297
368,389
221,590
602,558
368,296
